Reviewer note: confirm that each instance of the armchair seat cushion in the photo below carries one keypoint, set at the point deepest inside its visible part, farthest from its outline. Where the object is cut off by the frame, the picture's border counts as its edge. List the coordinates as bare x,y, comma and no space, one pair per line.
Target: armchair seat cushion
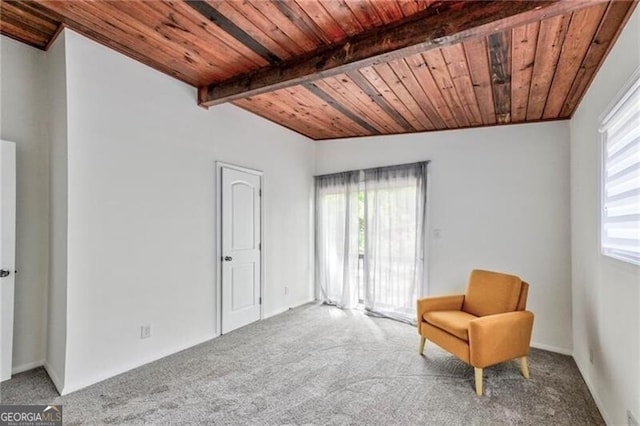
453,322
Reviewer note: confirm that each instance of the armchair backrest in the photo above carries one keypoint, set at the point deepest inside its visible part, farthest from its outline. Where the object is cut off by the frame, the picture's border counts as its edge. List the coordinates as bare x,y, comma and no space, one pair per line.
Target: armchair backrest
490,293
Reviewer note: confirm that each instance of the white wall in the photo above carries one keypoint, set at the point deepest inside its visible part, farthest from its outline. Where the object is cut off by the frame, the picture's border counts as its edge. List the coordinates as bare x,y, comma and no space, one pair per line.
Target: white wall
500,197
141,217
57,134
23,120
606,292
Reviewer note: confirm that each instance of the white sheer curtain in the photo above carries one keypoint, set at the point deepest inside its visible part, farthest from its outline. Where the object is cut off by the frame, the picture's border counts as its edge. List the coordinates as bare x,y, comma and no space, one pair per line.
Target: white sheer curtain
380,214
337,238
395,228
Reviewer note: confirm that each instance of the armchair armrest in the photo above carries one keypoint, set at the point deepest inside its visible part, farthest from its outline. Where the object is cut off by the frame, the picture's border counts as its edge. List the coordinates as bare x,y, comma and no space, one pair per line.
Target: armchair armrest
500,337
442,303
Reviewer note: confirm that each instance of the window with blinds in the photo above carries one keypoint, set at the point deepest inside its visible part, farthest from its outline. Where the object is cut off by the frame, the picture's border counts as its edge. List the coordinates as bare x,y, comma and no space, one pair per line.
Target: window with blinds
621,177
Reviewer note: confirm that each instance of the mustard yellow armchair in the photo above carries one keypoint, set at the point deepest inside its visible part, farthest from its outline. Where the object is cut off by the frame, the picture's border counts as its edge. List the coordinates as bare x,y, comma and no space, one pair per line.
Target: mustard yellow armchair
486,326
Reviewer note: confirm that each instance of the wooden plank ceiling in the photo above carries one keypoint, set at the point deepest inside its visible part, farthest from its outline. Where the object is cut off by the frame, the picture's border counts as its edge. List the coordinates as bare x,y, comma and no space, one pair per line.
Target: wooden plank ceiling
341,68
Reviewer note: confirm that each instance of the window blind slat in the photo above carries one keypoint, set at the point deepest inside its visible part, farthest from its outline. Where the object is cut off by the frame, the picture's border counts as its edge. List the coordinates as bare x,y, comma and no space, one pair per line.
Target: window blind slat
624,183
628,150
625,208
624,141
623,245
624,111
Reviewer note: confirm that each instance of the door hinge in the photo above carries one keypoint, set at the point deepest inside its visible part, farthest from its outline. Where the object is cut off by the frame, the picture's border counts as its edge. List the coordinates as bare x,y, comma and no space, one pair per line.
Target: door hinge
259,300
259,246
260,192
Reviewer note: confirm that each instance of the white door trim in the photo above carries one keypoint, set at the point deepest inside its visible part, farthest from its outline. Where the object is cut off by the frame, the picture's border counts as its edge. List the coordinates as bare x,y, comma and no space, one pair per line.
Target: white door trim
8,259
218,187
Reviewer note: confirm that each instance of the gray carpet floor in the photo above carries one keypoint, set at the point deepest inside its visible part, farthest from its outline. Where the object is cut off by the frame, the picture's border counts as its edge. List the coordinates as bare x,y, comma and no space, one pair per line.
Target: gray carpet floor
320,365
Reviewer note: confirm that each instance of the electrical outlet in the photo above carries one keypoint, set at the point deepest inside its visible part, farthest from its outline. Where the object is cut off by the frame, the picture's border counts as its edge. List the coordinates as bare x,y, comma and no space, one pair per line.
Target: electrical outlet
286,290
591,355
631,420
145,331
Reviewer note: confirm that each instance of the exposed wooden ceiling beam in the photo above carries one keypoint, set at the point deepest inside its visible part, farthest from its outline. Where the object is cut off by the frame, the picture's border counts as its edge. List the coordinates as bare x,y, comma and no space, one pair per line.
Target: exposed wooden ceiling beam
443,25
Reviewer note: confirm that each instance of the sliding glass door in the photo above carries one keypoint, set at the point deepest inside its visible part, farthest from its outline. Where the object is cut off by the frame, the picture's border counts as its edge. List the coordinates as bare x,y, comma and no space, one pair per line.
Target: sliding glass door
395,203
337,238
370,231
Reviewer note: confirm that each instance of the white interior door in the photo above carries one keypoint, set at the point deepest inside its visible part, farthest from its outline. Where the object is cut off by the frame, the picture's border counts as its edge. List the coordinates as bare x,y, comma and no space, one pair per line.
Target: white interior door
240,232
7,253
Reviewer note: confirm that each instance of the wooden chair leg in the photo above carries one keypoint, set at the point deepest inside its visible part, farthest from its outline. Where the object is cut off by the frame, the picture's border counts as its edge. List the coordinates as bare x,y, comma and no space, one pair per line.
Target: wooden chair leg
524,367
421,346
478,380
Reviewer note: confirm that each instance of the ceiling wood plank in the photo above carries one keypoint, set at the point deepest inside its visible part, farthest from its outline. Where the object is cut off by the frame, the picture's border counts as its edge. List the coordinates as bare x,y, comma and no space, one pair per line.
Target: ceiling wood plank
366,15
350,104
335,117
117,40
617,14
175,25
379,99
582,28
456,60
408,79
343,16
549,46
298,16
400,91
500,63
421,32
478,60
441,76
346,92
26,24
120,21
233,30
16,20
323,112
353,91
22,35
236,52
280,22
183,33
309,108
282,50
95,16
421,71
322,18
326,97
265,107
523,52
389,11
380,85
409,7
251,14
29,16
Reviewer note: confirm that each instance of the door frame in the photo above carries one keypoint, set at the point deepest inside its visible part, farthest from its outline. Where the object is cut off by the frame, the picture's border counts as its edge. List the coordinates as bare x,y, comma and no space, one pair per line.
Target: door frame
218,188
9,149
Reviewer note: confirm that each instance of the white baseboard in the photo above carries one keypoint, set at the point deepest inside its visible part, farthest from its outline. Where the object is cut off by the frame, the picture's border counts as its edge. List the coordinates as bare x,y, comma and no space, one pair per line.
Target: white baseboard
54,377
563,351
26,367
592,389
274,313
282,310
72,386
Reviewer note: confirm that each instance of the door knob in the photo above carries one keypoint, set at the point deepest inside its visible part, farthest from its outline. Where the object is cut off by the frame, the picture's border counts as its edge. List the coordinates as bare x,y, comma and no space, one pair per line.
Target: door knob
4,273
228,258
